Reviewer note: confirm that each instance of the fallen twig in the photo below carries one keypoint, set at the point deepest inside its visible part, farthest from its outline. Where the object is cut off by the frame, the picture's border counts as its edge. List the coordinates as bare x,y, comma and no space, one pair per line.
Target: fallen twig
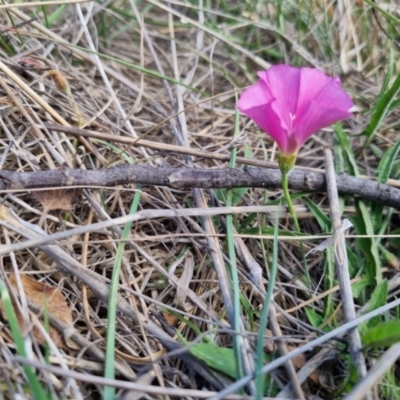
184,178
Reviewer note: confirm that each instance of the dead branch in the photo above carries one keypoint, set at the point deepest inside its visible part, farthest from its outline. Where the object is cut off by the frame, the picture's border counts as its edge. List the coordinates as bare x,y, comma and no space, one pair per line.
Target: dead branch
184,178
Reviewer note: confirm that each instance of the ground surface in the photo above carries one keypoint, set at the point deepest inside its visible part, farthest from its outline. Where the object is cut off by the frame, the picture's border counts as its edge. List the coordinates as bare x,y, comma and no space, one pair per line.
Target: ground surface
184,274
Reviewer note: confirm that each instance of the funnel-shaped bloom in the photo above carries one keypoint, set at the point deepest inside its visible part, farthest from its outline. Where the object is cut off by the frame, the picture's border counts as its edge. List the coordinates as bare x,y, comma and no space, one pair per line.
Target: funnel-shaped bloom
290,104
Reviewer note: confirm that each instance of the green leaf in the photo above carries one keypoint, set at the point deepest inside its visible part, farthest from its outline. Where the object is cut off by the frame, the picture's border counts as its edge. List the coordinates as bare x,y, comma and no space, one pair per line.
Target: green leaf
238,194
382,335
354,267
359,286
378,299
315,319
221,359
249,310
221,195
323,220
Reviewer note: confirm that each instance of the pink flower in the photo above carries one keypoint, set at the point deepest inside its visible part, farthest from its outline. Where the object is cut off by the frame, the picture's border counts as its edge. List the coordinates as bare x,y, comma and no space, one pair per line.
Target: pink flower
290,104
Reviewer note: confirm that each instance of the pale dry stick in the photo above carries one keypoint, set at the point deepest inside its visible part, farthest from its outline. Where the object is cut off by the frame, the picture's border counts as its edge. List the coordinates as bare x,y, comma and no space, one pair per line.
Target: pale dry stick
342,268
77,52
216,156
352,28
99,287
42,3
55,350
139,249
258,60
148,389
95,333
213,243
199,48
46,107
307,347
364,386
276,331
328,353
106,81
70,333
149,44
162,146
140,215
343,43
275,328
298,48
39,134
23,307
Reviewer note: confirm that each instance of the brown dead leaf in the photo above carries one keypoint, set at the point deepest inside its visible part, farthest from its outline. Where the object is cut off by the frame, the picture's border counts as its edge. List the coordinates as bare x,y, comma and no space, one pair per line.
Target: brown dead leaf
298,361
60,80
47,298
57,199
170,318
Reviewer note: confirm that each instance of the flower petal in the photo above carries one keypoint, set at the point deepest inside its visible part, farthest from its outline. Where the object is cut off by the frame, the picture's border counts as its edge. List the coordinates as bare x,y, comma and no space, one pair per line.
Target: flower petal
267,119
254,96
312,83
315,118
283,82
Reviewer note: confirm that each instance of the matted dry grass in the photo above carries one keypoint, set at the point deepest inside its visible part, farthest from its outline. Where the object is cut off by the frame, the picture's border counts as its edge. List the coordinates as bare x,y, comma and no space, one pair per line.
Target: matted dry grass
173,269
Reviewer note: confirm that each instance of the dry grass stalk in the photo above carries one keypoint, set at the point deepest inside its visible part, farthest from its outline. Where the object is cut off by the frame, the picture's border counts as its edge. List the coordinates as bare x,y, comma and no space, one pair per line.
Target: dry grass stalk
179,116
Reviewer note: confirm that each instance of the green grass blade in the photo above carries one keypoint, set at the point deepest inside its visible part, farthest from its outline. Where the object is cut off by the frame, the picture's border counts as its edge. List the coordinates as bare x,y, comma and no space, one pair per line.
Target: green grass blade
35,385
385,168
264,314
109,371
363,224
56,15
386,82
233,265
390,17
381,109
347,150
388,161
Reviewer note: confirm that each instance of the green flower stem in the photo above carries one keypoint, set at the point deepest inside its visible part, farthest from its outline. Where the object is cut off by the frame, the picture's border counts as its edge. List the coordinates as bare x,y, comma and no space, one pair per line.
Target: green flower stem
285,188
